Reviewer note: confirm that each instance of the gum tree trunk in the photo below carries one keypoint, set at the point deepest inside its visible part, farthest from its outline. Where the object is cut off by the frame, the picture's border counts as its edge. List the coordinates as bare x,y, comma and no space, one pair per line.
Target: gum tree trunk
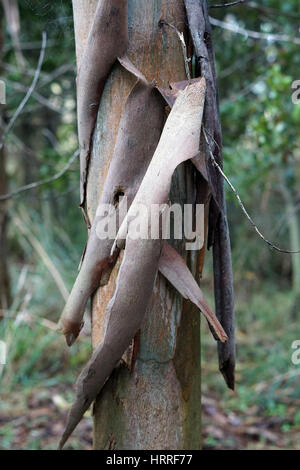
156,404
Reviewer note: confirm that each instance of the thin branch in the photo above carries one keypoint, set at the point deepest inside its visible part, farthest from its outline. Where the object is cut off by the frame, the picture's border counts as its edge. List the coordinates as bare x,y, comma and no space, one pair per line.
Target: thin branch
40,98
183,46
264,9
68,67
45,78
29,92
231,4
234,28
30,46
29,186
273,11
240,201
238,64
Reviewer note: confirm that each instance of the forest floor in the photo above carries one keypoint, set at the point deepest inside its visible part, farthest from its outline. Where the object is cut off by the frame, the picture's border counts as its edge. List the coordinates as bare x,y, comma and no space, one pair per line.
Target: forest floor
37,384
36,422
247,431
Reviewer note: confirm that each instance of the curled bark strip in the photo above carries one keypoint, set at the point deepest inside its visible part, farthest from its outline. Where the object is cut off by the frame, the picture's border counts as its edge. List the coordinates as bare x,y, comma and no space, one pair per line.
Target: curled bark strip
124,316
173,267
128,65
218,235
170,95
106,41
139,132
179,142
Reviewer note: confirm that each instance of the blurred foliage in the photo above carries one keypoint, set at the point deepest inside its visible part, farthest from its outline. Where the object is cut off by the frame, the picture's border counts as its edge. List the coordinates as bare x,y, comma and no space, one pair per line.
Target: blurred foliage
261,157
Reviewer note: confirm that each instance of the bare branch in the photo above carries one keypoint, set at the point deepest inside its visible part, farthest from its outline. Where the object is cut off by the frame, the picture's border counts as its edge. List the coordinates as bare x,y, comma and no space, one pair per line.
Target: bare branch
61,70
30,46
29,186
29,92
262,8
239,199
254,34
273,11
231,4
40,98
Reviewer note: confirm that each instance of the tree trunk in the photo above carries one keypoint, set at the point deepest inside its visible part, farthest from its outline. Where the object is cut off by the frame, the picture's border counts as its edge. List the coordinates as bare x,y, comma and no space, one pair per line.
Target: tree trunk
294,236
157,404
4,277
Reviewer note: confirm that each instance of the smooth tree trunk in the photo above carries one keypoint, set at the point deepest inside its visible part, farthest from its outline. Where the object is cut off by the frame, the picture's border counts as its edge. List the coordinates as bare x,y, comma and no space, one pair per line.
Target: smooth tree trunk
155,403
293,226
4,276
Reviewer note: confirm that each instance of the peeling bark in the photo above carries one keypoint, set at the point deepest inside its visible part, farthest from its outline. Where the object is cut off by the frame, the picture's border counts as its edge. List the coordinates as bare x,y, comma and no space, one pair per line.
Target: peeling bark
165,362
218,236
179,141
173,267
107,40
139,132
124,316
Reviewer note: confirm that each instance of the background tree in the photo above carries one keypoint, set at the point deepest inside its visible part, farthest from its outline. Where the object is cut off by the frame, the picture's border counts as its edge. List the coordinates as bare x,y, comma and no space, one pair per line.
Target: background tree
4,277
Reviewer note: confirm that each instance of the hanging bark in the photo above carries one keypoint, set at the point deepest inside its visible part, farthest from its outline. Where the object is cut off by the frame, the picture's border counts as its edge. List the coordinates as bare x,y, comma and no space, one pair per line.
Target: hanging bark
109,24
125,312
139,130
218,237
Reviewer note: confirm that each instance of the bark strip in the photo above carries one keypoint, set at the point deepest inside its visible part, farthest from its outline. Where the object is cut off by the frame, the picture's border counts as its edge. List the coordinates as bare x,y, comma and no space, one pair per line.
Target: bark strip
107,40
218,236
139,132
125,313
173,267
179,142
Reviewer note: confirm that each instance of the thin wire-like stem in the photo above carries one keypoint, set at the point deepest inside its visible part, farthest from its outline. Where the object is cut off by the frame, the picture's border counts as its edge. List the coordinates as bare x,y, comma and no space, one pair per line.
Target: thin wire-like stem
235,28
231,4
35,184
29,91
217,166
